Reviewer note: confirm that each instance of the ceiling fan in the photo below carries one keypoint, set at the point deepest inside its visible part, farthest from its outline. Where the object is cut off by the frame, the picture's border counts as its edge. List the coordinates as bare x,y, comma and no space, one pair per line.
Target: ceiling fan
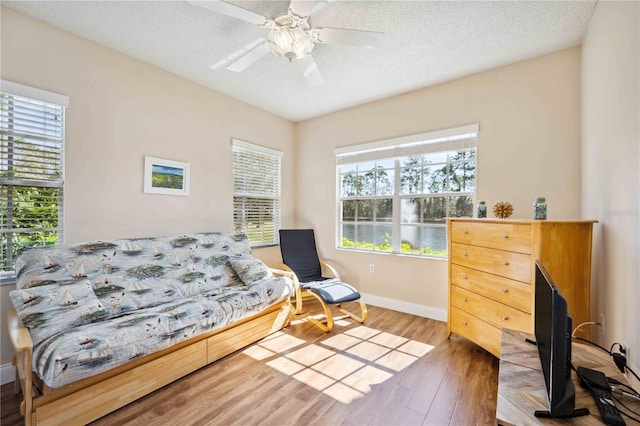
291,36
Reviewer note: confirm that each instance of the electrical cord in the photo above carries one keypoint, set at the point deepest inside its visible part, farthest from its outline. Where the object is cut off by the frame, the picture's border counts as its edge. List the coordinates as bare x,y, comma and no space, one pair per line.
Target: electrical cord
592,343
587,383
618,383
619,358
609,351
632,372
573,334
619,346
627,408
624,392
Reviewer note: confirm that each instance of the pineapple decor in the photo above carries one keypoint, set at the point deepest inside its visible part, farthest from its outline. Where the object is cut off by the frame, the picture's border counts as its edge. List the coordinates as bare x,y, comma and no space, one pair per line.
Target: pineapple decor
503,210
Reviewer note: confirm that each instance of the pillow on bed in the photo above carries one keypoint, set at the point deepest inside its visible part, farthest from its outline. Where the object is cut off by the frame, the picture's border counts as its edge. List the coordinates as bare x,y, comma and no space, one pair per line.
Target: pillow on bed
54,308
250,269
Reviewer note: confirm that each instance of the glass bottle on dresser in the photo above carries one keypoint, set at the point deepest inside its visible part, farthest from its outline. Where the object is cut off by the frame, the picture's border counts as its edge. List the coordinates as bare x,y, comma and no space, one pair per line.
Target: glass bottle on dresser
540,209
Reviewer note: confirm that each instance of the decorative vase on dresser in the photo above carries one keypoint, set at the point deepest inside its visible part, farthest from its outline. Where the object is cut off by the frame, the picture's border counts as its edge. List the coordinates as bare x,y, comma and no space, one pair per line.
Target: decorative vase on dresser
491,274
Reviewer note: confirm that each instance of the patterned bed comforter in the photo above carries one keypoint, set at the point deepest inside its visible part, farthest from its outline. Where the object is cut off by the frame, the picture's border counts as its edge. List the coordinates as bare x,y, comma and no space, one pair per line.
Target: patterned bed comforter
98,347
94,306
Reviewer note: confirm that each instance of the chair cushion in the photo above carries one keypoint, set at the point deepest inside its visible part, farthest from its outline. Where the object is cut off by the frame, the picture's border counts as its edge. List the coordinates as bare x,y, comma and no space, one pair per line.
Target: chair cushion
333,291
298,249
312,280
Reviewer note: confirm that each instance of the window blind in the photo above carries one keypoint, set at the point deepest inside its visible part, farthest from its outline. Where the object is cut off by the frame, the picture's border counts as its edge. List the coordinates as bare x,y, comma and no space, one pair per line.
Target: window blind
31,171
458,138
256,192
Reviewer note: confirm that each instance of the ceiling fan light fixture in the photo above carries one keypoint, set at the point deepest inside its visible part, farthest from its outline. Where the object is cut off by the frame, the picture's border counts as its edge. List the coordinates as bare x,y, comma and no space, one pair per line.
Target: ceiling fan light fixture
290,36
290,42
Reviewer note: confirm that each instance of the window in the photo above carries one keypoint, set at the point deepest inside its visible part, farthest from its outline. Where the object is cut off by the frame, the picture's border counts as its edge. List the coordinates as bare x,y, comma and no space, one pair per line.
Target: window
31,170
256,192
394,195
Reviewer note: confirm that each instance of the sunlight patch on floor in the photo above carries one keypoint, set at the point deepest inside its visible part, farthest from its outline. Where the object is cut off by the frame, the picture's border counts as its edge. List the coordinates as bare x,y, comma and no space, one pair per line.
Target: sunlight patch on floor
362,332
314,379
285,366
344,366
341,341
339,366
397,361
343,393
281,342
310,355
389,340
363,379
414,348
258,352
367,350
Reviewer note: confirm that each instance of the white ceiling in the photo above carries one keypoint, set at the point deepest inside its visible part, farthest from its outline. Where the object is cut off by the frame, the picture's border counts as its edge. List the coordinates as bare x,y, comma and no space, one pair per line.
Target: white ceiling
426,42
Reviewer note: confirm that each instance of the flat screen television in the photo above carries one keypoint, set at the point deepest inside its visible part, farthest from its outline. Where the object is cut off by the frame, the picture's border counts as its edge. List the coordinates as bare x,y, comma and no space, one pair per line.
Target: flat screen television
553,338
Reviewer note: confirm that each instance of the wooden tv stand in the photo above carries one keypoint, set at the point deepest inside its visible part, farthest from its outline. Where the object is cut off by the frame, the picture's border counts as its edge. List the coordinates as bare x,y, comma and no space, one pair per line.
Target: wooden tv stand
521,389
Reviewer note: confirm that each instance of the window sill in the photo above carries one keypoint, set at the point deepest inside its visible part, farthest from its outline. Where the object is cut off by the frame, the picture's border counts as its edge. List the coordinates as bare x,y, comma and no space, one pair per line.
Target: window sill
388,253
264,246
7,278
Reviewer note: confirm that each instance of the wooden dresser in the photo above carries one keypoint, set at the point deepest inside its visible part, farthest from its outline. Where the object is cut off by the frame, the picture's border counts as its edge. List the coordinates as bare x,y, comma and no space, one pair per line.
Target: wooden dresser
491,274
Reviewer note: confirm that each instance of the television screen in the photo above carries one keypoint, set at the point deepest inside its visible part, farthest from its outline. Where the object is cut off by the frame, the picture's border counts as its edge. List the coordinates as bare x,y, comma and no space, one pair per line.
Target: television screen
553,337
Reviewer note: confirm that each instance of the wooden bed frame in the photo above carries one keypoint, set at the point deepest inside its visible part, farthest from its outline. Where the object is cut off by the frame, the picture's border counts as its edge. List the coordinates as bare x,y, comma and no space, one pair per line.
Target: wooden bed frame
94,397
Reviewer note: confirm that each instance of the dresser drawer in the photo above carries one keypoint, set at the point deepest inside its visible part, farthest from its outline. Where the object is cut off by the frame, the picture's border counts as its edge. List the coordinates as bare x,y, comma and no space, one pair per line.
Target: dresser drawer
476,330
488,310
516,266
504,236
504,290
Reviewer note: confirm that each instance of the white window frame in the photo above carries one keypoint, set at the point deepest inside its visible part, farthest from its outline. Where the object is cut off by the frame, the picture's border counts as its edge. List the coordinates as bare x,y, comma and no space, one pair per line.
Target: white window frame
462,138
249,188
46,100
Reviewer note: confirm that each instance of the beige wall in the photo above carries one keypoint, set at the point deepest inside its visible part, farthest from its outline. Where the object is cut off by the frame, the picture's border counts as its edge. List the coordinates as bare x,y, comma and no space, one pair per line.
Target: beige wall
611,160
122,109
528,146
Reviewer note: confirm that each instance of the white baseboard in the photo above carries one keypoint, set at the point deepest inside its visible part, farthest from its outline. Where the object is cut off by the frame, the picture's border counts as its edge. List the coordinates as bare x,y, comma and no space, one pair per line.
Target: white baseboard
7,373
426,311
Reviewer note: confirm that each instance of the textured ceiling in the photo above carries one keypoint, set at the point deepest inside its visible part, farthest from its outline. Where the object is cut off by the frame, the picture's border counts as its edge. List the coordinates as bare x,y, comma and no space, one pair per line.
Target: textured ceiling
426,42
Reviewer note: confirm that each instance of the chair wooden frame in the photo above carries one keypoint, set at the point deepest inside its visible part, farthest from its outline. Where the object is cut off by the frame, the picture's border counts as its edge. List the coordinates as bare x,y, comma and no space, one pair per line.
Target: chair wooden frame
327,323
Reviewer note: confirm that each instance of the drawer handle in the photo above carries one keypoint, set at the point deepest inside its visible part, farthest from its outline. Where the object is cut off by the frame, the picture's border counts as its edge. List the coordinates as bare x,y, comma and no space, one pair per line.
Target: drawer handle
465,300
505,290
465,254
505,318
505,263
505,236
464,277
465,232
464,323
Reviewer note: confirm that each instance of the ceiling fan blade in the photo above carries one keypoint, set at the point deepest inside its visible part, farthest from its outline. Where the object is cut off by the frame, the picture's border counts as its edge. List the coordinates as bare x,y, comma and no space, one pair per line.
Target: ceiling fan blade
350,37
230,10
310,70
301,8
250,58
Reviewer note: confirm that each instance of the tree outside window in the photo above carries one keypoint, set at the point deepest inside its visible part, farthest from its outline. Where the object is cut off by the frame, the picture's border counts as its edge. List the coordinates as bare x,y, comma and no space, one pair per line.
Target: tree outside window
31,172
400,204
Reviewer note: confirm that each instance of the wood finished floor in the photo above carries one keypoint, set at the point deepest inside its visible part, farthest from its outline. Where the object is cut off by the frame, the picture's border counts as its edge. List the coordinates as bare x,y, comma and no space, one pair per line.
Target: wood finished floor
397,369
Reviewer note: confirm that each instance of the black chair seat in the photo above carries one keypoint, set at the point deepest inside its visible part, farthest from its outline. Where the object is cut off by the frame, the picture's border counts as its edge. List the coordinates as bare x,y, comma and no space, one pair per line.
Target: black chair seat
333,291
299,254
312,280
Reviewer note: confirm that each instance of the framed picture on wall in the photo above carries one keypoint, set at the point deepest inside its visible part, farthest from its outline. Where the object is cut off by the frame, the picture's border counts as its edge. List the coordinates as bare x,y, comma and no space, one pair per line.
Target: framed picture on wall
165,177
